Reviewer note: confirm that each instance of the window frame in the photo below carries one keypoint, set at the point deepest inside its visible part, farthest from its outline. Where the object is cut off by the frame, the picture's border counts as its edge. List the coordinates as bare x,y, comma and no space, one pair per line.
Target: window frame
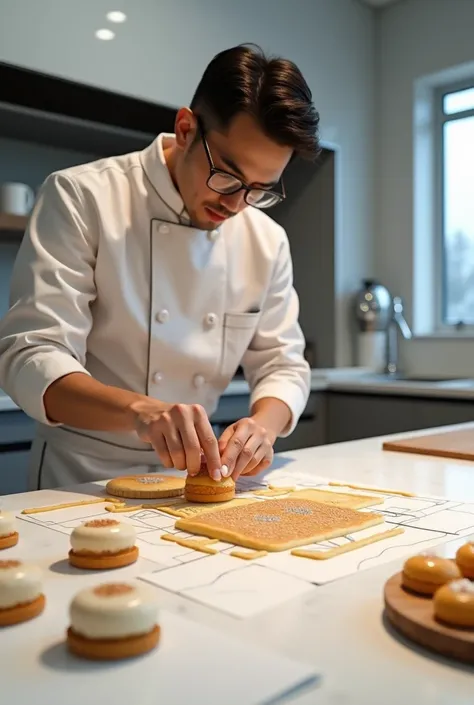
440,285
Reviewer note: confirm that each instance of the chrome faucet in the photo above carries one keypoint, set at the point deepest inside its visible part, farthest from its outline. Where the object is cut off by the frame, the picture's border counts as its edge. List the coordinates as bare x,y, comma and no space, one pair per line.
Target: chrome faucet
397,322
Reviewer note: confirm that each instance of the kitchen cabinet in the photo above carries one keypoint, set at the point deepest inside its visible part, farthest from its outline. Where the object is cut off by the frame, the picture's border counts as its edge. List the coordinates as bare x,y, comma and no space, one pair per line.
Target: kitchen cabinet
351,416
16,434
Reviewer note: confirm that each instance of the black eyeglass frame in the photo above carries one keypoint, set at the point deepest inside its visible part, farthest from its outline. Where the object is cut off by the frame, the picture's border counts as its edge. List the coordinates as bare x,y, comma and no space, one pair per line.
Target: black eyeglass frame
214,170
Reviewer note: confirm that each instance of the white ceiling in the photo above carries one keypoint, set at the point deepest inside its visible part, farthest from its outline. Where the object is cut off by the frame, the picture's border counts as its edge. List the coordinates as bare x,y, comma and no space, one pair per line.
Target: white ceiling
379,3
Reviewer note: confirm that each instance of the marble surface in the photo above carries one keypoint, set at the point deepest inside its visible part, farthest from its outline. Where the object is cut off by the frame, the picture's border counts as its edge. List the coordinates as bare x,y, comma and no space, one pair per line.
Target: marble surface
340,627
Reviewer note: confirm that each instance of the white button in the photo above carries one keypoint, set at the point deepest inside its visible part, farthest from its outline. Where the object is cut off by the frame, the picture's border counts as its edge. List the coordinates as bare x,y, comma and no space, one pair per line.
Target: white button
157,377
164,229
198,380
213,235
210,320
162,316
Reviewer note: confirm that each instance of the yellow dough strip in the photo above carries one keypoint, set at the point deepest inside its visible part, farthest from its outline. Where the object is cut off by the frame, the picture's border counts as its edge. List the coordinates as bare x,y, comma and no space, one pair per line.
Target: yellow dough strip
249,555
122,507
273,491
199,544
346,547
53,507
372,489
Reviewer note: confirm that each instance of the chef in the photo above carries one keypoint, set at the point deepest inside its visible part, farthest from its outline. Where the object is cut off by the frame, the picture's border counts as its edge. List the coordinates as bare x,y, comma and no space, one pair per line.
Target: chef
144,280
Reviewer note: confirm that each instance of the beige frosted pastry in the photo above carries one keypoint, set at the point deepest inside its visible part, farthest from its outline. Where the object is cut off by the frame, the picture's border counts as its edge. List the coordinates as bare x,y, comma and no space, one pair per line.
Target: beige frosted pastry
454,603
101,544
8,531
465,560
21,592
425,573
113,621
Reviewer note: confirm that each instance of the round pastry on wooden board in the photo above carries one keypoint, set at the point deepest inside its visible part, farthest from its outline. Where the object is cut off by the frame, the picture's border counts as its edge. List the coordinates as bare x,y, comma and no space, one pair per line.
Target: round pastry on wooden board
418,617
426,572
151,486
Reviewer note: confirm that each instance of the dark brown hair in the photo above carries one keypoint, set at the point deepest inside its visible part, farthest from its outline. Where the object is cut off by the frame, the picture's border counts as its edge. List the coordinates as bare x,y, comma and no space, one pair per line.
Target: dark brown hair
270,89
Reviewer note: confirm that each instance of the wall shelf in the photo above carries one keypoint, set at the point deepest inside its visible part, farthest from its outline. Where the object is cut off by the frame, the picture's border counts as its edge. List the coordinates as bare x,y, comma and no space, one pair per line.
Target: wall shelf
13,223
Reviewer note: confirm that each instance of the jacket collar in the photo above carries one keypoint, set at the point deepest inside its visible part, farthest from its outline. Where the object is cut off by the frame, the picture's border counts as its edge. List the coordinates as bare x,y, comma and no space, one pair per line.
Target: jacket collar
153,162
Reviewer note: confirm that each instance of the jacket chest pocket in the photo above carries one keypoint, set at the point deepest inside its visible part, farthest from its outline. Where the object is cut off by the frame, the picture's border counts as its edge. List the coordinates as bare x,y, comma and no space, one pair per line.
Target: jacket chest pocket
239,329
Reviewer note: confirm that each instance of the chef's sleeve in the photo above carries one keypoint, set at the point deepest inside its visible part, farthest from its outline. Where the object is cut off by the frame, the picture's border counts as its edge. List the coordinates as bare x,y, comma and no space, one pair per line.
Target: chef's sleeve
274,363
43,336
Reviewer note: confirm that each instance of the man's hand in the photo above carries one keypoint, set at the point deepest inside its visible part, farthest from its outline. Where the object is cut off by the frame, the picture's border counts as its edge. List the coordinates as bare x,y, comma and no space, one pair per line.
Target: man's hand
181,434
246,448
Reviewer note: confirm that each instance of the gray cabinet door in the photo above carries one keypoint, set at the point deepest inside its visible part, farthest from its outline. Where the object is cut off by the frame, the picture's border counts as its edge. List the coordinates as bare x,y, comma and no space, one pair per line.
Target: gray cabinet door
14,471
354,416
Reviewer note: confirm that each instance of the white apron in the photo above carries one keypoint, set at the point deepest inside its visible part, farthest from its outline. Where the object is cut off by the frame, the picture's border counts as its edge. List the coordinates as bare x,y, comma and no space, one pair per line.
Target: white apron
111,280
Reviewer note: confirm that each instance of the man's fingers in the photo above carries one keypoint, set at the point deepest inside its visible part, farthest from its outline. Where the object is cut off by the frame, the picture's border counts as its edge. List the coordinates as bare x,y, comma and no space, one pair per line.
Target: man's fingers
208,442
243,430
159,444
249,456
225,437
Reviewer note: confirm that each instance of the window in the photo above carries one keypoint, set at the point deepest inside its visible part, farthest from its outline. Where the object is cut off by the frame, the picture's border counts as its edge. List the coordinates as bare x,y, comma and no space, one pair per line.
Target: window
455,205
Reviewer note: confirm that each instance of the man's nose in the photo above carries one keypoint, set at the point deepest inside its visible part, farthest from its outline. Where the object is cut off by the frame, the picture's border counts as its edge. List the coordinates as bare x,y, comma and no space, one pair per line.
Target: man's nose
233,202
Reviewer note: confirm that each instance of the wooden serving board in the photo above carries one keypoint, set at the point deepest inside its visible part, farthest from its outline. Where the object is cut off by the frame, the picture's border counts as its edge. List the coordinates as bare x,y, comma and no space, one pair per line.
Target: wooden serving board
413,617
448,444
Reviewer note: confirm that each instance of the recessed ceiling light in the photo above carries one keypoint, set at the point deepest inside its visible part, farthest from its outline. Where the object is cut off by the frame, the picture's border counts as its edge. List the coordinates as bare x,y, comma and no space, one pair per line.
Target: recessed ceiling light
105,34
116,16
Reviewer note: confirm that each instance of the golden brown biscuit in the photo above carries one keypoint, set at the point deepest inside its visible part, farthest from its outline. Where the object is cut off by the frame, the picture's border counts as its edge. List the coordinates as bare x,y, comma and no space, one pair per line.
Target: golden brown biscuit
202,488
113,621
151,486
8,532
465,560
21,596
425,573
453,603
102,544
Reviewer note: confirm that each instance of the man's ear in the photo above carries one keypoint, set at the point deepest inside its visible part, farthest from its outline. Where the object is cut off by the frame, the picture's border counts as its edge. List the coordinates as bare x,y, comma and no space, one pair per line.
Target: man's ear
185,128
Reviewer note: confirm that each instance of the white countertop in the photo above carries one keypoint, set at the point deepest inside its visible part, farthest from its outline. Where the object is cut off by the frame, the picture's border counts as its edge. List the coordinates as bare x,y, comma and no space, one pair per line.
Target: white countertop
340,628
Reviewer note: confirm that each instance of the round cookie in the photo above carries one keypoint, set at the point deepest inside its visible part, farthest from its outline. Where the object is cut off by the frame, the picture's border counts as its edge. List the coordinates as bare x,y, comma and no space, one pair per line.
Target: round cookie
453,603
8,532
202,488
152,486
21,592
465,560
425,573
102,544
113,621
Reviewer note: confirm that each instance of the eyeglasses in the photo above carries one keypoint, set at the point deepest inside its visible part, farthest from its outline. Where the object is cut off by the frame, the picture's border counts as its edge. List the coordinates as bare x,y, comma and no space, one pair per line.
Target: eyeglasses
225,183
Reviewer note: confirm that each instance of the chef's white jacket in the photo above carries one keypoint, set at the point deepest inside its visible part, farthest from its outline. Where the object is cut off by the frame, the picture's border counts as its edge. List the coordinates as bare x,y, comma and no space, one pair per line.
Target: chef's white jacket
111,280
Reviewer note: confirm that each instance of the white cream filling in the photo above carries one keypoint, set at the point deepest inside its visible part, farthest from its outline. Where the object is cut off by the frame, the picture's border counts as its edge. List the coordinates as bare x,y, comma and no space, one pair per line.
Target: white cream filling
111,538
7,524
19,583
114,616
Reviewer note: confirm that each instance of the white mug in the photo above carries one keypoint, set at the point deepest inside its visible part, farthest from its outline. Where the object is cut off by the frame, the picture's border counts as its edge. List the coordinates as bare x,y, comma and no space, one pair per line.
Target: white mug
16,199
